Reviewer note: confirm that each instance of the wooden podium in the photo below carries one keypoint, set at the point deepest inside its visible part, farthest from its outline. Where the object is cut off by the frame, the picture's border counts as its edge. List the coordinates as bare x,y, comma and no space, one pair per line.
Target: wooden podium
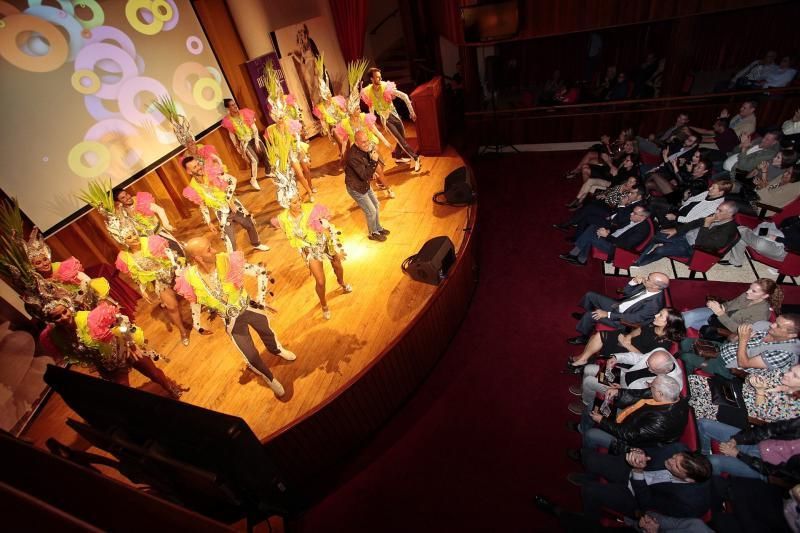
428,102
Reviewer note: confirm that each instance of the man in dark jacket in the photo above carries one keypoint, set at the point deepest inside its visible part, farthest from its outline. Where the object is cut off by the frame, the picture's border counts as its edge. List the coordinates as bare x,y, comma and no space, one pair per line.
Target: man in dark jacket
655,417
713,233
668,480
643,298
605,239
361,167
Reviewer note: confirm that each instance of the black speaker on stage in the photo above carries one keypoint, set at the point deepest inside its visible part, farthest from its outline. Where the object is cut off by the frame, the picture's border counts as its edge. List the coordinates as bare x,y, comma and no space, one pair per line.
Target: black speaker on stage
432,262
457,189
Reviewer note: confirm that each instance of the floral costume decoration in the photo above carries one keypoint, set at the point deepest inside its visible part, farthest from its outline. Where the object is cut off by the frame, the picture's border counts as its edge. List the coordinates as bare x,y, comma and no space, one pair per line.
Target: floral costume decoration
279,152
224,291
152,267
310,233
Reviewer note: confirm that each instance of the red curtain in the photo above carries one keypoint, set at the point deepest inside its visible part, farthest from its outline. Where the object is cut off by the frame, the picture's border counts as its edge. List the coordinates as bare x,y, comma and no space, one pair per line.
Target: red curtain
350,19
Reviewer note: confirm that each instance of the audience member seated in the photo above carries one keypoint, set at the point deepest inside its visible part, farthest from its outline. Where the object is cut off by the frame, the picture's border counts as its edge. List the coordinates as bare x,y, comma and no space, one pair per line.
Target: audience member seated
669,480
693,207
551,87
745,121
620,89
642,74
623,371
681,176
567,94
781,76
769,396
758,347
711,233
768,239
643,298
601,154
791,129
646,418
599,90
654,143
673,153
750,76
609,208
667,328
753,305
748,155
758,452
607,239
768,171
626,172
781,190
721,140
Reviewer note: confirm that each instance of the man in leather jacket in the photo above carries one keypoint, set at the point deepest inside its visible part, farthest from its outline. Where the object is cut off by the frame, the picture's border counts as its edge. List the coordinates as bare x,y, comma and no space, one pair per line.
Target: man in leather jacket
651,417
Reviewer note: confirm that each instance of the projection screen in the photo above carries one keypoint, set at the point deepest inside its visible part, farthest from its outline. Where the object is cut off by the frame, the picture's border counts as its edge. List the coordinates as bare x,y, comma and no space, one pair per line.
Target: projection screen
78,81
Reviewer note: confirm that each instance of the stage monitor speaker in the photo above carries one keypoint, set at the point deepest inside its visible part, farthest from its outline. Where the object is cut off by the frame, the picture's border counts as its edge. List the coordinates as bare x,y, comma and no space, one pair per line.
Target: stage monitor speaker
432,262
457,189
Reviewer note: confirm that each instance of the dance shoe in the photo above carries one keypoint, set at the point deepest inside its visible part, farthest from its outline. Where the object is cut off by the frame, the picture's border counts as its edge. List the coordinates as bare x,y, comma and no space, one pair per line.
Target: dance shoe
276,387
286,354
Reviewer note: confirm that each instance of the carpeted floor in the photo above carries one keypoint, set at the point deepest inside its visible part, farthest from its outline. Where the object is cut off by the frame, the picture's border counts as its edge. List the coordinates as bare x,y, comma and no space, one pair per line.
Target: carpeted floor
487,430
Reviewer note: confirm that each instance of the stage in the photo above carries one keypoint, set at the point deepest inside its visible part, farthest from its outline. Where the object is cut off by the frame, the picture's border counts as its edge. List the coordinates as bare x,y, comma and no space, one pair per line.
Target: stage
353,371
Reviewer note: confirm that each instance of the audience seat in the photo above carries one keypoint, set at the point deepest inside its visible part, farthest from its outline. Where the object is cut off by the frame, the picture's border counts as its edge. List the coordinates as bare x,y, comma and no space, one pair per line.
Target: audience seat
702,260
790,266
623,259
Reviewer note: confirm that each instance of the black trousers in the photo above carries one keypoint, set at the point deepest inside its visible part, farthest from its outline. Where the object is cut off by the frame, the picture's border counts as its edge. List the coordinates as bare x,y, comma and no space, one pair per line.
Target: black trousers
395,127
615,494
590,302
245,221
240,334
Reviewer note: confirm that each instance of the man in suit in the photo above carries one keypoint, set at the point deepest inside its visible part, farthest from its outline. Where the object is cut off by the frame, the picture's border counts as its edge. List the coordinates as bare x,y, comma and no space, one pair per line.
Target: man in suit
667,479
713,233
608,238
643,298
599,213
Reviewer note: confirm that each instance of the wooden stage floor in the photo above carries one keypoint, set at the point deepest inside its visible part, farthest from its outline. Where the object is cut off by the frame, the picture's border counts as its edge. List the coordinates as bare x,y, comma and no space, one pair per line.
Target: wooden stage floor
330,354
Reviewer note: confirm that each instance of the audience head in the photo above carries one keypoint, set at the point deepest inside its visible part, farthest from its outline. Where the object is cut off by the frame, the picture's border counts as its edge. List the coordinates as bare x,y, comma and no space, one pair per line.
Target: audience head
722,124
630,147
701,167
665,389
786,62
690,141
682,120
720,188
691,467
765,289
771,138
791,379
790,175
672,322
748,108
785,158
726,211
769,57
785,327
660,362
656,281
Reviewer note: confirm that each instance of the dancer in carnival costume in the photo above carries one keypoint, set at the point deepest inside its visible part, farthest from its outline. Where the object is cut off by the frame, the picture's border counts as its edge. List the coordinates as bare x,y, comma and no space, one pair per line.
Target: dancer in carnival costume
148,217
243,131
216,193
289,128
379,96
356,121
152,265
310,232
105,339
283,173
331,109
216,281
28,267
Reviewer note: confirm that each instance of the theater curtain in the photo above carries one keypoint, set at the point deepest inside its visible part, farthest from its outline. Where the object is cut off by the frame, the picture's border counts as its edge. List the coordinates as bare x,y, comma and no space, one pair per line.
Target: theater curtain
350,18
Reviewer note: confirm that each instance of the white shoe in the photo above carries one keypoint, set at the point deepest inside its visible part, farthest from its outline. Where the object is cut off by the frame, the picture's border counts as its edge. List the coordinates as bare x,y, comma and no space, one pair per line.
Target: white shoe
402,160
276,387
326,314
389,193
287,354
311,199
417,163
347,288
261,247
255,184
